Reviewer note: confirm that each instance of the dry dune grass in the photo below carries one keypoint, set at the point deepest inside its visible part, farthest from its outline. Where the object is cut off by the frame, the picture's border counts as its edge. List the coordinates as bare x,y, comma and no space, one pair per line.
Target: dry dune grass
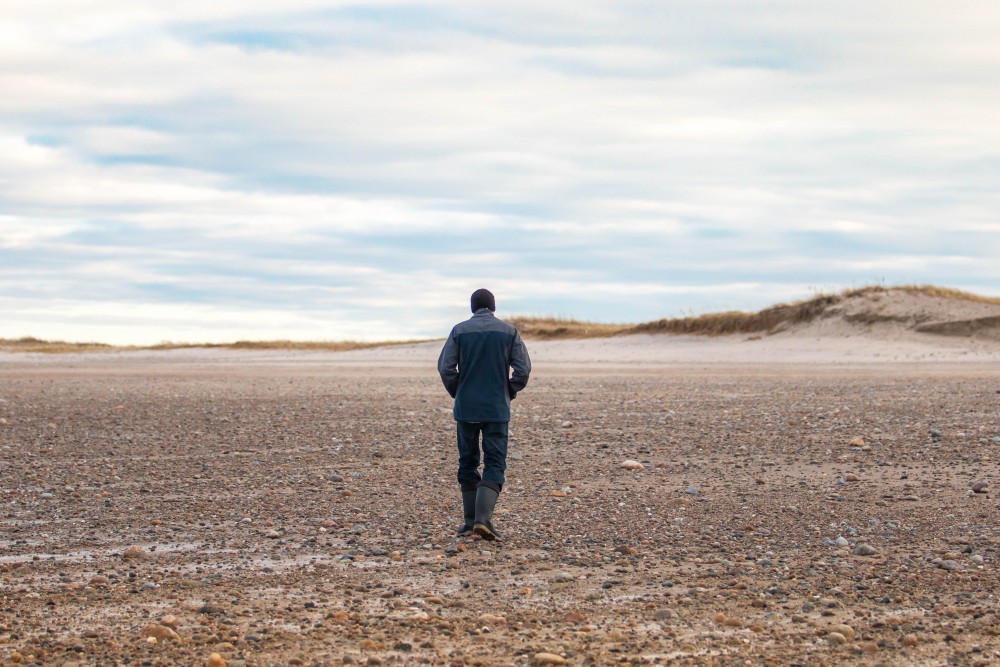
29,344
769,319
774,318
555,328
61,347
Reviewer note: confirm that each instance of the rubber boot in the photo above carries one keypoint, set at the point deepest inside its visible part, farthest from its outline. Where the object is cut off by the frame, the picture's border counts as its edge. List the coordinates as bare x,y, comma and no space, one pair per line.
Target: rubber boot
469,507
486,500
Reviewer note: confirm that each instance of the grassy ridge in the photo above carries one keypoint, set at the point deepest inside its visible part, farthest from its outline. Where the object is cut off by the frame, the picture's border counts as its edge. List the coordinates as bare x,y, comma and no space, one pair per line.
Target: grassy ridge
554,328
732,322
59,347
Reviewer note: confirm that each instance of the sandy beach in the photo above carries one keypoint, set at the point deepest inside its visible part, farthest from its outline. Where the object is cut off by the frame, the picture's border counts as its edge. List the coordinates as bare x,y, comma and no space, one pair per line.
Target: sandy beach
672,500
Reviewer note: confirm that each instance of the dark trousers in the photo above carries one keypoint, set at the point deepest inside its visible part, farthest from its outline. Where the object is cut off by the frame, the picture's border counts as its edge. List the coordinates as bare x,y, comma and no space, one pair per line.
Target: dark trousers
494,454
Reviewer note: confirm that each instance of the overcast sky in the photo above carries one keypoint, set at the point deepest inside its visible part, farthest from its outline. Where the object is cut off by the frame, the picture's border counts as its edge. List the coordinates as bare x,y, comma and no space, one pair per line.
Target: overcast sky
255,169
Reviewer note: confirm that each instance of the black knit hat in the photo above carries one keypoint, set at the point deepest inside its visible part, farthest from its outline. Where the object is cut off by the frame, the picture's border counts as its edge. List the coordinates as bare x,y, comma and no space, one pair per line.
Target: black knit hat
483,298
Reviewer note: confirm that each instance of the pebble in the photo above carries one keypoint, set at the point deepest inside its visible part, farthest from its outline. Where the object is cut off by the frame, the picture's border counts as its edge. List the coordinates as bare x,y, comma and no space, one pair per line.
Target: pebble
134,551
845,630
910,640
980,487
215,660
492,619
563,577
631,464
836,639
548,659
159,632
950,565
864,550
857,442
841,541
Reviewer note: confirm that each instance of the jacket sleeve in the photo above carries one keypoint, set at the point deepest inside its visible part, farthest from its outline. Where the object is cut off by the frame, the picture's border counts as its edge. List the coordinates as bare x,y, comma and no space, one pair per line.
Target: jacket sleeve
448,365
521,365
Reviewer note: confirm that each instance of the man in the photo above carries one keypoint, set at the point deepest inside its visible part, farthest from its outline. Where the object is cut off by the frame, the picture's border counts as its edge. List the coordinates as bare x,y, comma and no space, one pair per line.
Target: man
475,367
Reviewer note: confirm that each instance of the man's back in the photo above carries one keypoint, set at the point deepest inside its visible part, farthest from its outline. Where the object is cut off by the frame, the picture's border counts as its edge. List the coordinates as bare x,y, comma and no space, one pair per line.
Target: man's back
475,364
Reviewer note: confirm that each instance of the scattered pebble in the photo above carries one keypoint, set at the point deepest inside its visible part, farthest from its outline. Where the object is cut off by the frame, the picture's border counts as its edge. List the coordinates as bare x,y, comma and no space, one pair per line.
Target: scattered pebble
836,638
159,632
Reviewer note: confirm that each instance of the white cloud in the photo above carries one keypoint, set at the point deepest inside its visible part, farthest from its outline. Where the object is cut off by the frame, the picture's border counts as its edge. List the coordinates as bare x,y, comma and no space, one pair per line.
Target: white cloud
388,156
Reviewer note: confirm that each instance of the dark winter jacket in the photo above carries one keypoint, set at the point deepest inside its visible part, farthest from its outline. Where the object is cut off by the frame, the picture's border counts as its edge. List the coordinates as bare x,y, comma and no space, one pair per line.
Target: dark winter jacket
475,367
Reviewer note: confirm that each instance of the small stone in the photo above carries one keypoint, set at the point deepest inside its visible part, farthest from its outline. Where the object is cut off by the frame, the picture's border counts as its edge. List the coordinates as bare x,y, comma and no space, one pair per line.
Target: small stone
215,660
836,639
631,464
857,442
492,619
841,541
950,565
864,550
979,487
548,659
567,424
845,630
273,534
134,551
563,577
850,477
559,494
159,632
910,640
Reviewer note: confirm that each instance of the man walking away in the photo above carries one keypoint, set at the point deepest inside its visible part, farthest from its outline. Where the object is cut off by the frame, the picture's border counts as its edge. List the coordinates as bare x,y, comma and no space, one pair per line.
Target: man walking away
475,366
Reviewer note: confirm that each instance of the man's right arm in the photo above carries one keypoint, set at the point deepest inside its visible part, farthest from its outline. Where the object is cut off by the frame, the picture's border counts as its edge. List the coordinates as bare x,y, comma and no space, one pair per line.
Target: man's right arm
448,364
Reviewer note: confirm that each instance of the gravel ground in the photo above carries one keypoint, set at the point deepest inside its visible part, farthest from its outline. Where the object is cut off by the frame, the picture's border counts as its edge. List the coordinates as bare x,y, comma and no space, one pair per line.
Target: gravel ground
156,514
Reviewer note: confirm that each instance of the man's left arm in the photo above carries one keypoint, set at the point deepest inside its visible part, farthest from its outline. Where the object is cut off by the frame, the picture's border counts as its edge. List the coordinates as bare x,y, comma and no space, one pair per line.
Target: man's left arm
521,365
